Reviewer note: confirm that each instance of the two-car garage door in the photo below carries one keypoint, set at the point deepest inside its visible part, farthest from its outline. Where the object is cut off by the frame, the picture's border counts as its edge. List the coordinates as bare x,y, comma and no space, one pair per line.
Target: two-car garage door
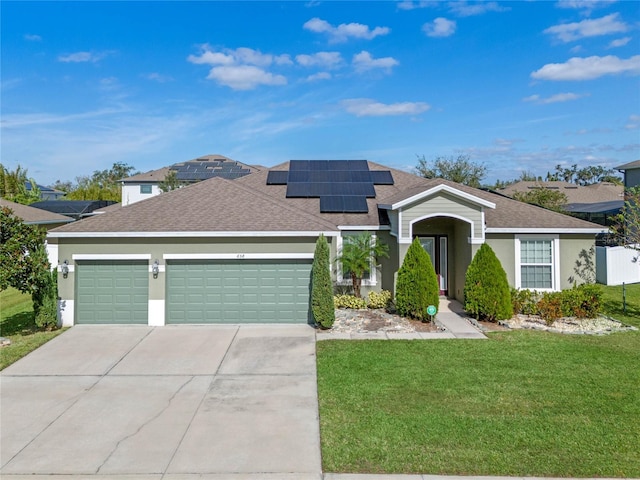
237,291
196,291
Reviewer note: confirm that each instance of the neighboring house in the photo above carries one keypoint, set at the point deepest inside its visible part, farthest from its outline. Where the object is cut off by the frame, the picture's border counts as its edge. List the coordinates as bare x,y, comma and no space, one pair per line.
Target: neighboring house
42,218
77,209
146,185
46,193
222,251
596,203
631,172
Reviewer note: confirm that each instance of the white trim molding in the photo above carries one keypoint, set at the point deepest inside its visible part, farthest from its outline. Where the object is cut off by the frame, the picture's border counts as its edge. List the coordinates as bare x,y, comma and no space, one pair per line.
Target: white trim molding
409,239
555,260
66,313
257,234
432,191
367,228
156,313
71,267
237,256
111,256
547,230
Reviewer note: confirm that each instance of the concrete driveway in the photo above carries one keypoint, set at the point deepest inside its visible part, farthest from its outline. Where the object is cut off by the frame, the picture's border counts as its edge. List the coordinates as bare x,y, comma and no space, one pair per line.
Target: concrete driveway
174,402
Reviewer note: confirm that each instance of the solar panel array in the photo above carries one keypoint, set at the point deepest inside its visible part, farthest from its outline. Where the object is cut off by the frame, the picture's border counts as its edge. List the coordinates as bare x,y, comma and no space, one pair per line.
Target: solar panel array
203,169
343,186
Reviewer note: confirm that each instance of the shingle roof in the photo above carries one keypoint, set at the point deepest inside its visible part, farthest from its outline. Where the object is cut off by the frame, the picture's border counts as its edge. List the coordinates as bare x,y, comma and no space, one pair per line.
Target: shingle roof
629,166
598,192
36,216
214,205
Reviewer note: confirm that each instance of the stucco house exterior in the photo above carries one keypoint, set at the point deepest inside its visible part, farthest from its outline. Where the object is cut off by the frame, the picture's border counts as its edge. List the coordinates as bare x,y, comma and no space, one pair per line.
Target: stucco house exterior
233,251
631,172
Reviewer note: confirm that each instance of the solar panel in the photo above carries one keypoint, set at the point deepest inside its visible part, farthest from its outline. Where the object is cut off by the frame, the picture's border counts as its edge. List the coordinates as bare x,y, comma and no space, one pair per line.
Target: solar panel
358,165
277,177
361,176
296,165
343,204
297,190
296,176
381,177
318,165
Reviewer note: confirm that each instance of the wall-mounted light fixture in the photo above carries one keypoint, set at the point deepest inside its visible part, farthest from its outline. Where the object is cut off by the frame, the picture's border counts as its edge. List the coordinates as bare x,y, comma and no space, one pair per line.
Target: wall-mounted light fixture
64,268
155,268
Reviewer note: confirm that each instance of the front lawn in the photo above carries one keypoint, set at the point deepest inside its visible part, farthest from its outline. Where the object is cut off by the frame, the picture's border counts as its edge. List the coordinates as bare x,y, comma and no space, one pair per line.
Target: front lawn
17,324
613,305
522,403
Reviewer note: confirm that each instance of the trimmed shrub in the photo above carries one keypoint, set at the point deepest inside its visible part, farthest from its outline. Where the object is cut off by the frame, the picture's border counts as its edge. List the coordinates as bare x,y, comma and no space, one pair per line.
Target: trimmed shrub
417,286
582,301
550,307
486,291
322,286
380,299
45,301
349,301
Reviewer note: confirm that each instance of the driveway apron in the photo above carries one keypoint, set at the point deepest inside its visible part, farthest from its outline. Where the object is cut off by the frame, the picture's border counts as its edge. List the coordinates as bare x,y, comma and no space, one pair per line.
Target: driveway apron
164,402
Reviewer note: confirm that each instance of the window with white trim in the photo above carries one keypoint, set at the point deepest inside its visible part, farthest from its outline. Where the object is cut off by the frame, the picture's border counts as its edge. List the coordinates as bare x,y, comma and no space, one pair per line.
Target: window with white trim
537,263
369,278
145,189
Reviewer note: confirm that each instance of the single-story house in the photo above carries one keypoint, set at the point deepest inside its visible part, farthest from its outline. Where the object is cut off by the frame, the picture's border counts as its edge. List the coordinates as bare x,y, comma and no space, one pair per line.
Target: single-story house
146,185
241,250
42,218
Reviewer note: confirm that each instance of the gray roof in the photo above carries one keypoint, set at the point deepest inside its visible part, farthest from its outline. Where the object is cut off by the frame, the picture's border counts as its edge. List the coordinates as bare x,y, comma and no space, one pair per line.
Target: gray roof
596,193
32,215
629,166
248,204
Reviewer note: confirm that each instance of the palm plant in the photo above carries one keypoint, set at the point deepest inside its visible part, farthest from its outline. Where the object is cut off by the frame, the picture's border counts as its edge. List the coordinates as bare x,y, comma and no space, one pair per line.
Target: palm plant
356,257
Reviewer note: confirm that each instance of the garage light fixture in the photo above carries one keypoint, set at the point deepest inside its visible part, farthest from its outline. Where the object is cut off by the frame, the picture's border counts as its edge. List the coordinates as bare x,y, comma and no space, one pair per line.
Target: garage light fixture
155,268
64,268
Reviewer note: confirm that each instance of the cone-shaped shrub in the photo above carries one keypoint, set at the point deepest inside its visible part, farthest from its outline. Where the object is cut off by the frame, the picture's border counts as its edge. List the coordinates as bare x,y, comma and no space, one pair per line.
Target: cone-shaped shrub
486,291
417,285
322,286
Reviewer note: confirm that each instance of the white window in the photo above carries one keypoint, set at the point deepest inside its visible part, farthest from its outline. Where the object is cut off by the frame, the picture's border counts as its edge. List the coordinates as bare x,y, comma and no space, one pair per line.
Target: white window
344,277
537,263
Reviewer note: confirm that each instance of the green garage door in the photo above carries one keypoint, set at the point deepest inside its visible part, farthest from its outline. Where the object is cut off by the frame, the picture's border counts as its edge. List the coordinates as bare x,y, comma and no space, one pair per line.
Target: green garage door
237,291
112,291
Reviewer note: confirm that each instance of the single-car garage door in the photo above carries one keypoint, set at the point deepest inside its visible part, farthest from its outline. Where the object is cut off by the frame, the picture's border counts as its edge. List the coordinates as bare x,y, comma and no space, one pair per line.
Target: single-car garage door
237,291
112,291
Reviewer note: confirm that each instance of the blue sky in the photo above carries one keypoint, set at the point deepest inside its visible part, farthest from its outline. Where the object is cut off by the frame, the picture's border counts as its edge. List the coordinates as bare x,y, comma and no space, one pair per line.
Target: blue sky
515,85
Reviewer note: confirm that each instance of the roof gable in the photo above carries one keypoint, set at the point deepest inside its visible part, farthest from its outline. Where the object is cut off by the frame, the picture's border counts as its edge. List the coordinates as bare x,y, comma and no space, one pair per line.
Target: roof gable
417,194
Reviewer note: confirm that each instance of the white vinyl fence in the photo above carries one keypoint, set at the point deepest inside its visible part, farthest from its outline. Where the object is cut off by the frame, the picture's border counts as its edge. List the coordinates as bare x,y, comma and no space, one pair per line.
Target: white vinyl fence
617,265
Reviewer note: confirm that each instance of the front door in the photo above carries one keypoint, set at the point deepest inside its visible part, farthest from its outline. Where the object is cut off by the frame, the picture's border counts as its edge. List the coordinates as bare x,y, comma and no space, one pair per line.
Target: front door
436,247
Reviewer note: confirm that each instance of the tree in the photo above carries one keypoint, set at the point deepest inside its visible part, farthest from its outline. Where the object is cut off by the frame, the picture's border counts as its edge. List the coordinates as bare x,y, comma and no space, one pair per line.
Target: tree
13,186
543,197
584,176
626,227
486,290
321,285
459,170
417,285
102,185
357,254
171,182
23,260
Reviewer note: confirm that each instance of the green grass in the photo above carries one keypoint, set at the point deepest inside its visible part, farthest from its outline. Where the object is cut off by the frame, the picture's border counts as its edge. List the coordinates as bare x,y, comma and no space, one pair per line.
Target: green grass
522,403
613,306
17,324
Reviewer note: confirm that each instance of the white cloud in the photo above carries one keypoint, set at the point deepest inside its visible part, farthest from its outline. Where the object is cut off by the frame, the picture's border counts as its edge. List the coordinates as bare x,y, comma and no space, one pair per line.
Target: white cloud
568,32
344,31
620,42
576,49
32,37
320,59
464,9
365,107
242,68
410,5
557,98
586,6
634,122
244,77
81,57
363,61
440,27
577,68
158,77
319,76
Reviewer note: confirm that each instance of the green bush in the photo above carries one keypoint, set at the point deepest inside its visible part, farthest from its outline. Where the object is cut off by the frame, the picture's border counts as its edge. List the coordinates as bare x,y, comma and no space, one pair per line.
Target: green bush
417,286
45,301
349,301
524,301
322,286
486,290
379,299
582,301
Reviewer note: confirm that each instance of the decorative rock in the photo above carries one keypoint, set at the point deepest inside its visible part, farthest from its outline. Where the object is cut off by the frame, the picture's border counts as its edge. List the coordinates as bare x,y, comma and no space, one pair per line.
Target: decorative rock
4,342
571,325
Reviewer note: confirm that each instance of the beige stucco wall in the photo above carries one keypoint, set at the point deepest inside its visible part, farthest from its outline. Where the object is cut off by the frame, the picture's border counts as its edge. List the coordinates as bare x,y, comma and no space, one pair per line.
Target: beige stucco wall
570,248
504,246
442,203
